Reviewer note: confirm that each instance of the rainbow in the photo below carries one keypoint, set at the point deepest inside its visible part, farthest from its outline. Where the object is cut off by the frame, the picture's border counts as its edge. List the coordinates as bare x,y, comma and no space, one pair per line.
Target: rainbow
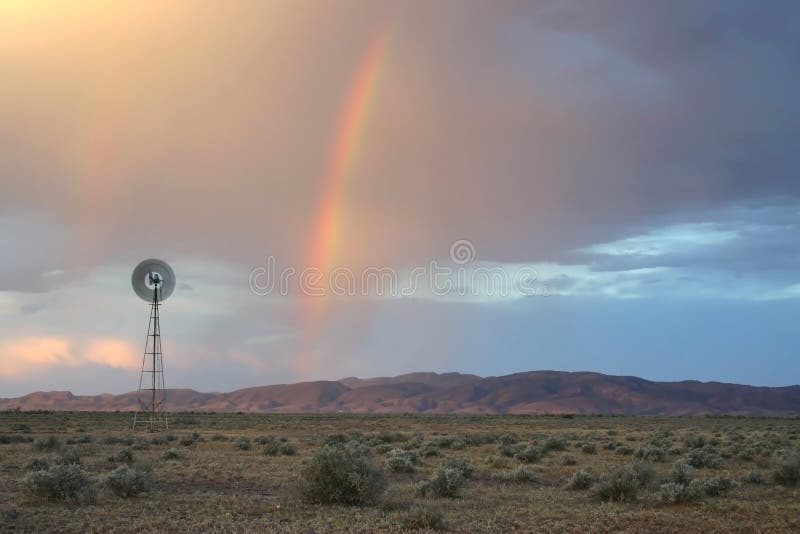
349,140
328,229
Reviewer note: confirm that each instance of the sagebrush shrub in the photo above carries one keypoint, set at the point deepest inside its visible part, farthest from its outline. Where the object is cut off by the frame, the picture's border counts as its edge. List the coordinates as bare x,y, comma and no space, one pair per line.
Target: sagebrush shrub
754,477
624,450
588,448
569,459
37,464
445,482
173,454
242,443
580,480
14,438
271,448
276,448
619,486
682,472
507,439
287,449
68,482
674,492
338,475
125,456
400,461
651,453
126,481
787,468
530,454
555,443
520,475
430,449
496,462
72,456
624,483
716,486
78,440
702,458
48,444
695,441
453,462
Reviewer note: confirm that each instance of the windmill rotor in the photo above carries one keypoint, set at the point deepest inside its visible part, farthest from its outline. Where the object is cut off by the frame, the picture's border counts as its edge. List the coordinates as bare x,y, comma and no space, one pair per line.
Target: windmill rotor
152,274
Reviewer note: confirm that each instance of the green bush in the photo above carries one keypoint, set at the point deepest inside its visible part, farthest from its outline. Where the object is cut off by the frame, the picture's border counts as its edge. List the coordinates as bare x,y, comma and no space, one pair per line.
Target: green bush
242,443
787,468
67,482
588,448
126,481
446,482
580,480
338,475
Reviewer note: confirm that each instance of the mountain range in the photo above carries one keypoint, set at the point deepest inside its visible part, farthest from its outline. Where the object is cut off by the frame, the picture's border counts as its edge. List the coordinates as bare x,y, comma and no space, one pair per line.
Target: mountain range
532,392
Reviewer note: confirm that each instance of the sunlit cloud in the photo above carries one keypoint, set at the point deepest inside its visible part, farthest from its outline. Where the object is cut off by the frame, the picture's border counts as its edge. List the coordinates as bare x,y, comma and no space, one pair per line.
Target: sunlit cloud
115,353
26,355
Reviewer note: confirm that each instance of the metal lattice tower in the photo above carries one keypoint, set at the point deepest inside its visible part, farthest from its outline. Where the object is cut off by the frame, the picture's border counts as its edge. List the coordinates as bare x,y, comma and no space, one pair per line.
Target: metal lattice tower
154,281
152,392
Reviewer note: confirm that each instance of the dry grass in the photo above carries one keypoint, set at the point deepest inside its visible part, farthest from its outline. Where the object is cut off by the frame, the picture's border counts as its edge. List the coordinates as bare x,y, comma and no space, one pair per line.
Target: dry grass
210,481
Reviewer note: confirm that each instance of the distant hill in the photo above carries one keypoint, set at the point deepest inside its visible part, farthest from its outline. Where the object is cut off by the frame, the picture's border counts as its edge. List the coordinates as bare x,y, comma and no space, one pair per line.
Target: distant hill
521,393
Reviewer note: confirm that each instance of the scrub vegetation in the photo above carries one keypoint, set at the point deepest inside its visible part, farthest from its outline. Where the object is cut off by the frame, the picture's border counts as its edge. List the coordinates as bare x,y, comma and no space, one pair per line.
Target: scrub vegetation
71,471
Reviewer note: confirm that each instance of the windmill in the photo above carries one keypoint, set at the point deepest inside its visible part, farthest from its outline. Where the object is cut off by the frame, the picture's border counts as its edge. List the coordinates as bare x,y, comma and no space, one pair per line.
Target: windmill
153,280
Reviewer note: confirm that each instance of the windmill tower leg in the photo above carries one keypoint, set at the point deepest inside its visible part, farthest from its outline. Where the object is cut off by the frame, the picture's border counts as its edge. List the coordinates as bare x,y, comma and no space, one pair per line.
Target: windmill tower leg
152,394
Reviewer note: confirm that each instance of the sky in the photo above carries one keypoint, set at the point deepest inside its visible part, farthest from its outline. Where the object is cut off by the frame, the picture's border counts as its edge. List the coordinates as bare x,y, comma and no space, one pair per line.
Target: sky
359,188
